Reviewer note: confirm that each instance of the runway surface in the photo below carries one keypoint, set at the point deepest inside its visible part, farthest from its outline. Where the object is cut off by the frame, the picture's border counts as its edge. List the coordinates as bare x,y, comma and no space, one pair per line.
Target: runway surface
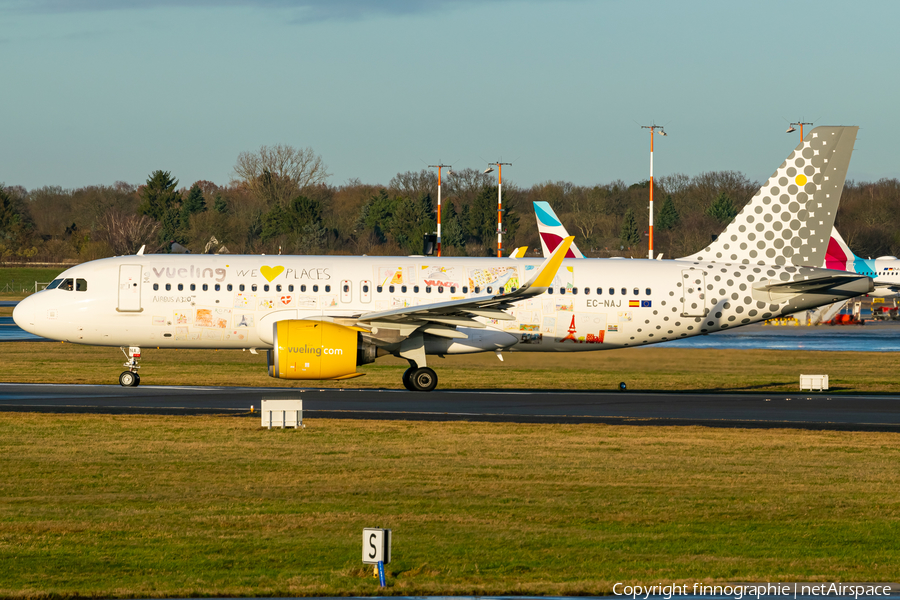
807,411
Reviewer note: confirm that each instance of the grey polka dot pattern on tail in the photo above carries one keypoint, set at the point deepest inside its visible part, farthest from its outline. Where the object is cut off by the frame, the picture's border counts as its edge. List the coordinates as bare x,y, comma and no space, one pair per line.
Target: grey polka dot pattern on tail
802,196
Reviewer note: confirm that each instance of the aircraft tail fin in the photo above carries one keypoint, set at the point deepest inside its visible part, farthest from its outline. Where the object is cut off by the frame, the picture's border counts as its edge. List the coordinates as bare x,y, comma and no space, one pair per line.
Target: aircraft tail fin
552,231
789,220
839,256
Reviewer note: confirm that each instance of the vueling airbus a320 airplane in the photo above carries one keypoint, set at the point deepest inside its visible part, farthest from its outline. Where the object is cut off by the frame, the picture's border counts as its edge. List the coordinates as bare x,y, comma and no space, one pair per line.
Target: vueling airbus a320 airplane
319,317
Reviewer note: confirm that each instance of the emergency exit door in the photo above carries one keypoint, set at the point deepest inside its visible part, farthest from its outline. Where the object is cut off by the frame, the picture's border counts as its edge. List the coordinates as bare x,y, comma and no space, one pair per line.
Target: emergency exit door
130,288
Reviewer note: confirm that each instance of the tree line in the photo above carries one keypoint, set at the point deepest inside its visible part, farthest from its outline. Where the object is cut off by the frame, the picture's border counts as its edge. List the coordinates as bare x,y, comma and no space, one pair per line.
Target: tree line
279,201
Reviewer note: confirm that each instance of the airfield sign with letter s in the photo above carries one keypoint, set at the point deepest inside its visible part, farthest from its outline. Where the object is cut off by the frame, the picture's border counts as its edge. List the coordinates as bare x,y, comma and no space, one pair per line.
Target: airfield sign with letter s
376,546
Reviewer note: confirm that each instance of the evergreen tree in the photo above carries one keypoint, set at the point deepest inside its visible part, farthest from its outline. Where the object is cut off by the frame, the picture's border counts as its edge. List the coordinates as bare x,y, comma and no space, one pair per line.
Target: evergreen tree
668,215
453,232
378,214
274,223
722,210
220,206
412,220
629,234
193,204
161,201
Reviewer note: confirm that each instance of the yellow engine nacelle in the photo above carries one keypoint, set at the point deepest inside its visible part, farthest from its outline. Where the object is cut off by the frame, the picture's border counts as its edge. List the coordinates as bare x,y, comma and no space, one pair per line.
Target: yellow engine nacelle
317,350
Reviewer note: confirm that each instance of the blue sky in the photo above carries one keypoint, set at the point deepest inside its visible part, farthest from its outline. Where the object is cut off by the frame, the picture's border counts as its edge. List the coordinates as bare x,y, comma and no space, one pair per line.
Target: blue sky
95,91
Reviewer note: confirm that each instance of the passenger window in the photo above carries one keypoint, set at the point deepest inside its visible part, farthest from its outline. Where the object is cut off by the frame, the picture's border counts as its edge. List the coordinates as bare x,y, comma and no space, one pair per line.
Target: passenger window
624,292
218,288
229,288
452,289
193,287
440,289
415,289
303,288
241,287
427,289
379,289
327,288
599,291
180,287
550,290
477,289
647,291
490,289
315,288
291,288
366,289
403,288
612,291
574,290
278,288
80,285
168,287
253,288
155,287
391,289
562,291
54,284
205,287
587,291
637,292
465,289
346,288
266,288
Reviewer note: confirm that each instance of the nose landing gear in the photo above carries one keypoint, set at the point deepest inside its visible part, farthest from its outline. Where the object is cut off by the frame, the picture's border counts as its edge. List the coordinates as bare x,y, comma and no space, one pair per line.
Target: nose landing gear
130,378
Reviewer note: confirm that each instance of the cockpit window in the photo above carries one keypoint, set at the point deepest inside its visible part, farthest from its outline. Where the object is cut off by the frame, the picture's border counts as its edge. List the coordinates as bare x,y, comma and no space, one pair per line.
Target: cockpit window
80,285
54,284
67,284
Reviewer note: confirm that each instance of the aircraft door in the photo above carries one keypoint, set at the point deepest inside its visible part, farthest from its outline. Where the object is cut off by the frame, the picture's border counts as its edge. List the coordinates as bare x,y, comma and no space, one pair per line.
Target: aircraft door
693,288
346,291
130,288
365,290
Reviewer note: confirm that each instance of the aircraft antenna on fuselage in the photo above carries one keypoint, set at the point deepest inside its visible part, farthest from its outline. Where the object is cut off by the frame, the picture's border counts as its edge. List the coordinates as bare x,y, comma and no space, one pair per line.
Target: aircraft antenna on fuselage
141,251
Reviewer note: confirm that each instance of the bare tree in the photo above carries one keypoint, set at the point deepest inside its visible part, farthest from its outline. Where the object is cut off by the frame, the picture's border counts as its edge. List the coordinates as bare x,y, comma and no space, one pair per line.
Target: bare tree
126,233
277,174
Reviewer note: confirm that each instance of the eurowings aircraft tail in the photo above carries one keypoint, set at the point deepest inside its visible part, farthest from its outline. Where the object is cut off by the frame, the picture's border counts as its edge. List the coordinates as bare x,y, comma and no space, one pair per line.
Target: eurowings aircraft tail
839,256
790,219
552,230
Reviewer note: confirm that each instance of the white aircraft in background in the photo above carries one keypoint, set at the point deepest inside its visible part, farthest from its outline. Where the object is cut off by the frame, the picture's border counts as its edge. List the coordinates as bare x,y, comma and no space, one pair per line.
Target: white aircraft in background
885,270
319,317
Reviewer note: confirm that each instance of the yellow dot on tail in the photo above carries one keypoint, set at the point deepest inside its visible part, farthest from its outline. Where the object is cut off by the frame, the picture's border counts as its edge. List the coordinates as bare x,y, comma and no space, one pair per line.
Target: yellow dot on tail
801,180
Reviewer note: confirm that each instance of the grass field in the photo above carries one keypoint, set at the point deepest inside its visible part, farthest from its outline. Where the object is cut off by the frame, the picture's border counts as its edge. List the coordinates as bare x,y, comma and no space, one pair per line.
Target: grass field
16,281
653,368
145,506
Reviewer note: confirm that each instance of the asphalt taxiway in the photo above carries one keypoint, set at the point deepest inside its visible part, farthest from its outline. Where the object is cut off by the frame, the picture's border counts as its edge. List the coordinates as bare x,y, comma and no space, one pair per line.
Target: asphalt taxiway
807,411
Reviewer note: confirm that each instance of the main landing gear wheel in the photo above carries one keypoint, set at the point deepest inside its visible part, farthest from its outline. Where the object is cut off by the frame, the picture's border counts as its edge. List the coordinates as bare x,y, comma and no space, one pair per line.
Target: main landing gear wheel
423,379
407,374
129,379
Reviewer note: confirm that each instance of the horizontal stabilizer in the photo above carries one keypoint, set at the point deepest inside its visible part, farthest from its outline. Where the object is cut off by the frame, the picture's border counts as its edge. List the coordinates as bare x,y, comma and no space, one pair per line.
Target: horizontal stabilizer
846,286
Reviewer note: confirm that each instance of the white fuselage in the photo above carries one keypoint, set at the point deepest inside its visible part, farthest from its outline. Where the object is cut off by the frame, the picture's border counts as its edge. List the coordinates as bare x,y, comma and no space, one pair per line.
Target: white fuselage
228,301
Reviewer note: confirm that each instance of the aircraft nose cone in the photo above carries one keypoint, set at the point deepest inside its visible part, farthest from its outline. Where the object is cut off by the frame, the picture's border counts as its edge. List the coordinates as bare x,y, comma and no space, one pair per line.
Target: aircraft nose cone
24,315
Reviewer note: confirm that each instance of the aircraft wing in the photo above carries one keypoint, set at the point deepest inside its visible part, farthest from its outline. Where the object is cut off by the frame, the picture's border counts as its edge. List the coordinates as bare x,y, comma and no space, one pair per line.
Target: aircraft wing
441,317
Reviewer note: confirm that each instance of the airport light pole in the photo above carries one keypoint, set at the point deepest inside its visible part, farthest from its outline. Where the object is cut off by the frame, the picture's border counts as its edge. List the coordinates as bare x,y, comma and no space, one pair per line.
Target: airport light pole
662,132
490,169
439,167
791,129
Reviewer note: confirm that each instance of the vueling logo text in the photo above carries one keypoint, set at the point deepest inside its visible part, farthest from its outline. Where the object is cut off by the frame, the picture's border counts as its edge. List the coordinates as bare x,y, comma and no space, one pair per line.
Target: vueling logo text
305,349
